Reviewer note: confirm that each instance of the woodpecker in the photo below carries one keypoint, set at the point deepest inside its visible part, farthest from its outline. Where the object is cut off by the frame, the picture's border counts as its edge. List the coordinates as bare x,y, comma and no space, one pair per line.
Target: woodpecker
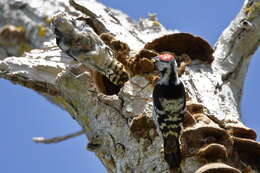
169,107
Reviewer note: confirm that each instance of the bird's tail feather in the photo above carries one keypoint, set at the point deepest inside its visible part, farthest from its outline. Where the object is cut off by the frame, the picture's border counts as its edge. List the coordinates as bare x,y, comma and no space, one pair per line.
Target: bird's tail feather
172,152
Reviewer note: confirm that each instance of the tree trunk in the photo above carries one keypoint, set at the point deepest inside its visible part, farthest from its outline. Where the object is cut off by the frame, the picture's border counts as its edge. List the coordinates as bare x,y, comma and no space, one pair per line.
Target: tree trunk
119,127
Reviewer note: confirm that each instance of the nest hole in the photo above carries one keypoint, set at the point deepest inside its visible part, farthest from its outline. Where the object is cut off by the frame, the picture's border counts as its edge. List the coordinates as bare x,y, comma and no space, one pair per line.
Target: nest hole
104,85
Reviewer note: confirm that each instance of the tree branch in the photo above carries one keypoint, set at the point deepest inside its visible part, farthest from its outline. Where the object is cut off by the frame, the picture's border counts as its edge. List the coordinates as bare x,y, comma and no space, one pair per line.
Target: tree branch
236,45
57,139
37,70
119,127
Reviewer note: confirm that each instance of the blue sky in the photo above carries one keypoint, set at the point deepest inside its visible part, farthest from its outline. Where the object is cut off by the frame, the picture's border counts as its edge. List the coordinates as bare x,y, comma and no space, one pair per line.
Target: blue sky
26,114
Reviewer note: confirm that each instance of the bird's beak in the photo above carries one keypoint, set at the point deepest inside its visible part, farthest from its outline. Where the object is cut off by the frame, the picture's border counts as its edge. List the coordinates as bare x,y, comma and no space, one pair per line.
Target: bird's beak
154,59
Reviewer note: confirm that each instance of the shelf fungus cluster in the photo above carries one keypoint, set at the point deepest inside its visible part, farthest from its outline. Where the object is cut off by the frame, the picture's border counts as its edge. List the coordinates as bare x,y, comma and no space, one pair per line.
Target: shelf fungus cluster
219,147
138,64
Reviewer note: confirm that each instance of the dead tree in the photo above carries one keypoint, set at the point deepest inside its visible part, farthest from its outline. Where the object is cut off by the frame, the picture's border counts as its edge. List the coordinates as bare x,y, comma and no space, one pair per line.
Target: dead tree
87,78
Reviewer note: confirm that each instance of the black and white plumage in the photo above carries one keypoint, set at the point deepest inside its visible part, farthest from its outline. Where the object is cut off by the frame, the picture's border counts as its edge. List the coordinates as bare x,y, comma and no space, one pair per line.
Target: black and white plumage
169,107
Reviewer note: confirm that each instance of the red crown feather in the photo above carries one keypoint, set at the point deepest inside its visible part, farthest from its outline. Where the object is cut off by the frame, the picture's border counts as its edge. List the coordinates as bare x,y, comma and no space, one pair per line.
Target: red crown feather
166,57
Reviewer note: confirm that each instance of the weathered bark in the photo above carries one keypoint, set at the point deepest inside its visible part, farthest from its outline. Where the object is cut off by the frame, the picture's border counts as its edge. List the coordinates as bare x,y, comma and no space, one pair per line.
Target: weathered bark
119,127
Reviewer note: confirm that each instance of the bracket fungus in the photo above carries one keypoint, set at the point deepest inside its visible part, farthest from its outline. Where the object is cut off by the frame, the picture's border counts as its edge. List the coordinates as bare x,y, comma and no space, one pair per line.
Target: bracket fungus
193,139
213,152
242,132
247,151
217,168
214,142
141,127
183,43
194,108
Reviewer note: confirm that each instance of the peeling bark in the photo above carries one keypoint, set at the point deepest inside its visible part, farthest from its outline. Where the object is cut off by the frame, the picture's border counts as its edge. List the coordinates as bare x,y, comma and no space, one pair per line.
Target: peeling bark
119,126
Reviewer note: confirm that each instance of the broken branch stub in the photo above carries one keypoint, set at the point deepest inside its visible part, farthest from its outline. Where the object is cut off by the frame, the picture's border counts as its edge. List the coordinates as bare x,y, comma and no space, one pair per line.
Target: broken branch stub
80,42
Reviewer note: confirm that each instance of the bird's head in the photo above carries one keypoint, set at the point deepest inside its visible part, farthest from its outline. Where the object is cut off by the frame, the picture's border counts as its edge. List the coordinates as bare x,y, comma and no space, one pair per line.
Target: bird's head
165,63
167,66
